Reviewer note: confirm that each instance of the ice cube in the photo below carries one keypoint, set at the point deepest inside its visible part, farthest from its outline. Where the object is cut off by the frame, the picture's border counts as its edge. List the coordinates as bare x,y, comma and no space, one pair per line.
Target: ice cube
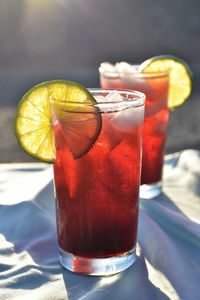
100,99
128,119
117,100
106,102
114,96
126,73
108,67
124,67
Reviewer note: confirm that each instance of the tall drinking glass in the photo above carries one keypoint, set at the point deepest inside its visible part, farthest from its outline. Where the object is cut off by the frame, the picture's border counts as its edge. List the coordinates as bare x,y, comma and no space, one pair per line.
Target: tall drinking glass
155,86
97,189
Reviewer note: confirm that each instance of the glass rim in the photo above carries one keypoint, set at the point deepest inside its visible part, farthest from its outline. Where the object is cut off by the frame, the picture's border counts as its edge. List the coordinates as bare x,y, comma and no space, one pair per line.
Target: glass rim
115,74
137,100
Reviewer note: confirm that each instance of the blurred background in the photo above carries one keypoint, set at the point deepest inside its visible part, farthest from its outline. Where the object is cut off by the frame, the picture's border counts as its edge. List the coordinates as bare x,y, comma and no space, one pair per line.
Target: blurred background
67,39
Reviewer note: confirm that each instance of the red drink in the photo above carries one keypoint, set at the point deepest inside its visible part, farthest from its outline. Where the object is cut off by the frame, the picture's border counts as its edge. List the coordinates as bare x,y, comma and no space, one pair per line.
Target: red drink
155,128
97,193
155,87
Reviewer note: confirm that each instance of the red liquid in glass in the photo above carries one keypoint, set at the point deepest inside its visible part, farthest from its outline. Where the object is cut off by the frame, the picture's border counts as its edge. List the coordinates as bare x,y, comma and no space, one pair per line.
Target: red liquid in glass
97,194
155,122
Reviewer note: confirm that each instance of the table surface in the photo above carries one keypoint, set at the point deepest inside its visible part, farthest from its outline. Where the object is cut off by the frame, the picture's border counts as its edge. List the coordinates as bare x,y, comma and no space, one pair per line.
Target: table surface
168,260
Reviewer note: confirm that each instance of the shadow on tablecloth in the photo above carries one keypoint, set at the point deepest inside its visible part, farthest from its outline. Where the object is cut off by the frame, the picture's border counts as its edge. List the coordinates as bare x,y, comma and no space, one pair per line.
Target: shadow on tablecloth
168,247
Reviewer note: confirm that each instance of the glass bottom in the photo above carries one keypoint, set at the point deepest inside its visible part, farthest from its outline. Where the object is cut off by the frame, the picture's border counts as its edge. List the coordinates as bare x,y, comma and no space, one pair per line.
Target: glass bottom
96,266
149,191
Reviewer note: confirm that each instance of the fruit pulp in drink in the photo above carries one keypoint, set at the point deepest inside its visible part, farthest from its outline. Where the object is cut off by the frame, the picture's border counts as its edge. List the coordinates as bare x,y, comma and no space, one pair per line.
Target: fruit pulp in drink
155,87
97,193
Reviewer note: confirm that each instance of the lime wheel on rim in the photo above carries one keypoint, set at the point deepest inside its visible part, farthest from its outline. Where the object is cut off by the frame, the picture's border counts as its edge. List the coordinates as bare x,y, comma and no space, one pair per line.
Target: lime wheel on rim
33,120
180,76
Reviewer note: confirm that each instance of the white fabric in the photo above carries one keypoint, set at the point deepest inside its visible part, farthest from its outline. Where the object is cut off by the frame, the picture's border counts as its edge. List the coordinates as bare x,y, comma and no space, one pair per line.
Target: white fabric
168,263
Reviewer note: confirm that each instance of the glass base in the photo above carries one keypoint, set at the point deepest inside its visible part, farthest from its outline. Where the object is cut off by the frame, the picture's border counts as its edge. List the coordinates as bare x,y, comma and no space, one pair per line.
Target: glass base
96,266
149,191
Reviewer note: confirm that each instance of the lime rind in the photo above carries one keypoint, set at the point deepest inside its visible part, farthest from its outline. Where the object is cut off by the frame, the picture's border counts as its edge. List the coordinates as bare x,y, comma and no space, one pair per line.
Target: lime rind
33,117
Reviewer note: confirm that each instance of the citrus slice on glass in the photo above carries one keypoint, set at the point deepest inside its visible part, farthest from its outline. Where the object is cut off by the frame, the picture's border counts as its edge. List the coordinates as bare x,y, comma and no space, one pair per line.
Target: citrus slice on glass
33,123
180,76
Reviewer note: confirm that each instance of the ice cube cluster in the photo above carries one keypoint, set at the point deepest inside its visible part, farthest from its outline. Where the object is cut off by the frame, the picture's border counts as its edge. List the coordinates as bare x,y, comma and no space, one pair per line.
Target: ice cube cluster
112,102
126,74
128,113
113,96
119,67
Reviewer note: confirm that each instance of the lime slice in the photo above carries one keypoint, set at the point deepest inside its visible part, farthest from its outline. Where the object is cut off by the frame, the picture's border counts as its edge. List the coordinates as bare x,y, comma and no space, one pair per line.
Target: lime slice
33,120
180,76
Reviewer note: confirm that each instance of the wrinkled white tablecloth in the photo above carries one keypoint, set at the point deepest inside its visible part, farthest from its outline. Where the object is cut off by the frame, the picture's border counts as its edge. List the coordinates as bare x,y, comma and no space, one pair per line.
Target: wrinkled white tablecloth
168,263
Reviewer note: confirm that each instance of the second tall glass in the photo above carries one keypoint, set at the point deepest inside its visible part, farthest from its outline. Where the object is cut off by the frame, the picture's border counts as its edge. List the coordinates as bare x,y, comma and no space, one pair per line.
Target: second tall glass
155,86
